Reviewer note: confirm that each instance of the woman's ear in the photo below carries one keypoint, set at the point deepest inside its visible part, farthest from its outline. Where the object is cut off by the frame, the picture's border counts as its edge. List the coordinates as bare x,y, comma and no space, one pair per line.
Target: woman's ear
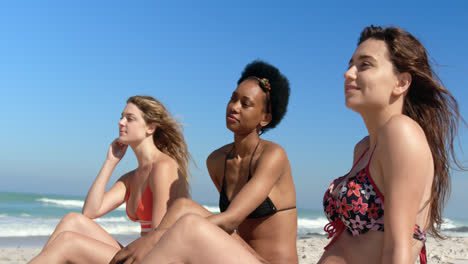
150,129
266,119
403,83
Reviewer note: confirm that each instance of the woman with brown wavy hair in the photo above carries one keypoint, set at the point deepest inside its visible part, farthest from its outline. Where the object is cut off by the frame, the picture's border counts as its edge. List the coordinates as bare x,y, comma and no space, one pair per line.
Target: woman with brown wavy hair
412,120
161,177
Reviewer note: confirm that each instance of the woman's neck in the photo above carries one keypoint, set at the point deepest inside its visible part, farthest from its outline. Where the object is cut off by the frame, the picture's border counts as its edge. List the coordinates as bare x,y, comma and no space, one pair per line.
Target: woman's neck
145,152
244,144
375,120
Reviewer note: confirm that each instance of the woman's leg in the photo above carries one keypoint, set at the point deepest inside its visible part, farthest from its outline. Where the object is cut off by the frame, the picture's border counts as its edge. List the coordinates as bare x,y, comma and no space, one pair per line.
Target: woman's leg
181,207
72,247
195,240
178,209
78,223
139,248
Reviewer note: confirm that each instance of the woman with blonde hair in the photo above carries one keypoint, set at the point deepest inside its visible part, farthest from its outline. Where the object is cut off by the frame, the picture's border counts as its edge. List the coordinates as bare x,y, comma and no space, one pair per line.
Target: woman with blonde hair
161,177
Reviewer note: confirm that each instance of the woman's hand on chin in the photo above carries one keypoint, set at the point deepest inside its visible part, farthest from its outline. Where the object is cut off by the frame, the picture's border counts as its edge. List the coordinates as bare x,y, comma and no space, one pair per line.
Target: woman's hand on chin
116,151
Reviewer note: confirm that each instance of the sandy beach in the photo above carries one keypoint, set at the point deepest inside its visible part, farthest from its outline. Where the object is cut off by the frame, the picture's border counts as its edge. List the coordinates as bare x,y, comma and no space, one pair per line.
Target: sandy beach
453,250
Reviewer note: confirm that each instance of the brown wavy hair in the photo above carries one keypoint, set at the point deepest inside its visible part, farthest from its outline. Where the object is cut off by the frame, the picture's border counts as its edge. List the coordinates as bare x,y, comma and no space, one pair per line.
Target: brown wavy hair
430,104
168,137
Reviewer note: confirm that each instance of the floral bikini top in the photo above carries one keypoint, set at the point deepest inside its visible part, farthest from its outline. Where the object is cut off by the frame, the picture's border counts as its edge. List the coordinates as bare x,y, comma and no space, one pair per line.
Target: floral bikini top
358,207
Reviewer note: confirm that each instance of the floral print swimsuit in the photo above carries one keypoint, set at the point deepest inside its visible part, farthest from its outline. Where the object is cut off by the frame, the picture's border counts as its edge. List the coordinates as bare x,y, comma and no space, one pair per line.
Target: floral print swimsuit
358,207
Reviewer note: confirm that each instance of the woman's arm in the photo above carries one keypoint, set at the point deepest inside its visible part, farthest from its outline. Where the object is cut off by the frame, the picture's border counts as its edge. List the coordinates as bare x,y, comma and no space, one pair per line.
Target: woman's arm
270,167
99,202
407,169
163,183
215,165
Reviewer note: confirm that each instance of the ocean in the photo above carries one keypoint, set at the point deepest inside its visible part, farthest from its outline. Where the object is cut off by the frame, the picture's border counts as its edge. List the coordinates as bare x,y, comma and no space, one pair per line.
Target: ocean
28,215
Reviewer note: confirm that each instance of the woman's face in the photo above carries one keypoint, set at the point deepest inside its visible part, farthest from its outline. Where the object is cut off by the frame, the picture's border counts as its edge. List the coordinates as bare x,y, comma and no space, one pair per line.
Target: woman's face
371,78
246,108
132,126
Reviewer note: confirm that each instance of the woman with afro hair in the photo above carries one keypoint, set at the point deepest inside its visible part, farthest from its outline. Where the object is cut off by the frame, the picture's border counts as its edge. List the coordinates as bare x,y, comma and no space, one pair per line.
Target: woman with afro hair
258,219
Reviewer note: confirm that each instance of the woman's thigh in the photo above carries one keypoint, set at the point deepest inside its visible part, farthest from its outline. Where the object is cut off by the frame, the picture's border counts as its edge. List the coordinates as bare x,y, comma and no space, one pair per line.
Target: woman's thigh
72,247
193,239
78,223
181,207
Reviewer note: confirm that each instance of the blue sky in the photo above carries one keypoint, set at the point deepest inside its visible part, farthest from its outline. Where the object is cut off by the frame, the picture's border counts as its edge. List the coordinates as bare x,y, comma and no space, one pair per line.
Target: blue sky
67,68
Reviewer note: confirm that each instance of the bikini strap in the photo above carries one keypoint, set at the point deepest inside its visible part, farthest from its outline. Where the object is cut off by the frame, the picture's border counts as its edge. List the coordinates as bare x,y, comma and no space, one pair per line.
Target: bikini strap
377,190
251,158
370,158
423,255
362,155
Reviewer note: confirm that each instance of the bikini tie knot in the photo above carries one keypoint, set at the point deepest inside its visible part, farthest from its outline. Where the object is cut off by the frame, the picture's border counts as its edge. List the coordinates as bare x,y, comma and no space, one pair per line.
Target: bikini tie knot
333,227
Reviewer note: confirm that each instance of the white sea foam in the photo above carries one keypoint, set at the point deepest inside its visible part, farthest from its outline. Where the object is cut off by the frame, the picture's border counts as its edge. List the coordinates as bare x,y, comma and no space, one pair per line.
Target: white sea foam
319,222
112,219
213,209
307,225
21,227
133,229
62,203
315,226
43,222
69,204
448,224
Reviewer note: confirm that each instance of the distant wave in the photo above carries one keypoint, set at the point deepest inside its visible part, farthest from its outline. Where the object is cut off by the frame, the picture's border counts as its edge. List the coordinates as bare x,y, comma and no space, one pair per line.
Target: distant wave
307,226
69,203
47,230
463,229
319,222
79,204
34,220
62,203
112,219
22,227
448,224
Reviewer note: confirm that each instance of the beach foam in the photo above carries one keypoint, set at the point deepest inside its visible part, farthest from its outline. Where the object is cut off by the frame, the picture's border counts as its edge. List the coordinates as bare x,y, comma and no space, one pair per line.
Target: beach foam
69,203
37,215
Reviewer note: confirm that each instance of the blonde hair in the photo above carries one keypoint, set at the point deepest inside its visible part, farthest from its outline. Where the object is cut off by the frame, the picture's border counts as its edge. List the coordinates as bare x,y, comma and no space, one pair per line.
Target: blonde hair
168,137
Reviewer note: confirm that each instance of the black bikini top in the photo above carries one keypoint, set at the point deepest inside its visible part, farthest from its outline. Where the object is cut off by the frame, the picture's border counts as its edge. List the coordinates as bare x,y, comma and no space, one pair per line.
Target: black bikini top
266,208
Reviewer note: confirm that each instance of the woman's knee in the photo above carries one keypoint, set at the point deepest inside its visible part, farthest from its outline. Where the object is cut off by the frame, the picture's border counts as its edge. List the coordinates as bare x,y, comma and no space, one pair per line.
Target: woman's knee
74,220
192,225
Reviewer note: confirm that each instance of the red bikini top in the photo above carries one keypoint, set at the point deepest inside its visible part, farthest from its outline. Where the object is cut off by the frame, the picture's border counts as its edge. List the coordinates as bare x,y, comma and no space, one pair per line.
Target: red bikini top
144,210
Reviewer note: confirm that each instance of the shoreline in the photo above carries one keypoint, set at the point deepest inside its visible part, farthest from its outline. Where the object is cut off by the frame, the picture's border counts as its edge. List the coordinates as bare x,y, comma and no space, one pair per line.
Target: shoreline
449,251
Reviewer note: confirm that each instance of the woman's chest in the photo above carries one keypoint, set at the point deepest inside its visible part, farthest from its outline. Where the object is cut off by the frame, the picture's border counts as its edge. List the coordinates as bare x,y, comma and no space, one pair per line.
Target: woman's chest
355,200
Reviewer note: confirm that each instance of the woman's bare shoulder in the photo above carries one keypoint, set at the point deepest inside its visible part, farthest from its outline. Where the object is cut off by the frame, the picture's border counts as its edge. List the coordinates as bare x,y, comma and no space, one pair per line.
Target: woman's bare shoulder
220,153
271,146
